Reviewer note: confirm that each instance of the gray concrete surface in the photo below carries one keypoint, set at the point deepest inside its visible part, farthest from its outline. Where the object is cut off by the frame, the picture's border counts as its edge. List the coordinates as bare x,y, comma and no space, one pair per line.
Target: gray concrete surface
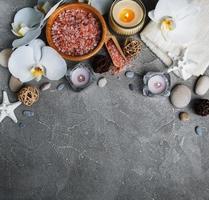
101,144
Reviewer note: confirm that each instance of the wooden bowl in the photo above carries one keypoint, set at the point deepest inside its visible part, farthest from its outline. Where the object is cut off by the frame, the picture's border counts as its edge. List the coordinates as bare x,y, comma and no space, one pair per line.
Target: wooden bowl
75,6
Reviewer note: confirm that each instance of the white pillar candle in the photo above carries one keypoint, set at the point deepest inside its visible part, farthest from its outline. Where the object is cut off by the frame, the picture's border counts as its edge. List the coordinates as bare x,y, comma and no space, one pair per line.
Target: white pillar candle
157,84
127,13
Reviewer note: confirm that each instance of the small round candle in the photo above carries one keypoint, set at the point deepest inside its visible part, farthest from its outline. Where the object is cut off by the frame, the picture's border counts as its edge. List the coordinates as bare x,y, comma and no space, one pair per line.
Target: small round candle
157,84
127,13
80,77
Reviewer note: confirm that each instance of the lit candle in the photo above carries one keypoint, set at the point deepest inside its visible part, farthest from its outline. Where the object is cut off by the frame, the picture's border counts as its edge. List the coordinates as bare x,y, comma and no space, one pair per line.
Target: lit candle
156,83
80,77
127,13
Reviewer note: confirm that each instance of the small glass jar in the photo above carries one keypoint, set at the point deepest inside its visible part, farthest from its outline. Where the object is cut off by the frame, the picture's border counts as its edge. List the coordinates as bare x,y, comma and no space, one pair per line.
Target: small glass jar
156,84
80,77
124,28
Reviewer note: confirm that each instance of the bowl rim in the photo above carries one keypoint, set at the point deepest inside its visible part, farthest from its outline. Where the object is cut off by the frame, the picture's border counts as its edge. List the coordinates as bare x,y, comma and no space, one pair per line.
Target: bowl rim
84,6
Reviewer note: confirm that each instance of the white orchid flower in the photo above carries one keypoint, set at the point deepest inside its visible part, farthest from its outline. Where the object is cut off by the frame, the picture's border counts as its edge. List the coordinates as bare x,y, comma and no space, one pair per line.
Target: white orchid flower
26,19
36,60
29,22
177,20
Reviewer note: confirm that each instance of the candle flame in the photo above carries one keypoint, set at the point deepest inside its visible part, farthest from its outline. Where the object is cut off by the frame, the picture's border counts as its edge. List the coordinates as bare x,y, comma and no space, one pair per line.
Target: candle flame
127,15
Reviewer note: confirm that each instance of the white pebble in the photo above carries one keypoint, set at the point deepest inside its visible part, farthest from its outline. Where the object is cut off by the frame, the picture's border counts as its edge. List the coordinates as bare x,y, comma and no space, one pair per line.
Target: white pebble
102,82
129,74
180,96
202,85
4,57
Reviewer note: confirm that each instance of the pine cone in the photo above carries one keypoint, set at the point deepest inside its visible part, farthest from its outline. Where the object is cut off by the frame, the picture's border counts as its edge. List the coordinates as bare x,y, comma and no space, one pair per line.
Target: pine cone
202,108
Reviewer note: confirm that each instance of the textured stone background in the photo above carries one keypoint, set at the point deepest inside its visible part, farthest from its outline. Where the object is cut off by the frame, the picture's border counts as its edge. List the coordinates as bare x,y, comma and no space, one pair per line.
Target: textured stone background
101,144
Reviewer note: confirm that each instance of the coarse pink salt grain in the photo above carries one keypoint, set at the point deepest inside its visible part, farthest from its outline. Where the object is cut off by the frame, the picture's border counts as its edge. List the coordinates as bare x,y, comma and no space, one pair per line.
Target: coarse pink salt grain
76,32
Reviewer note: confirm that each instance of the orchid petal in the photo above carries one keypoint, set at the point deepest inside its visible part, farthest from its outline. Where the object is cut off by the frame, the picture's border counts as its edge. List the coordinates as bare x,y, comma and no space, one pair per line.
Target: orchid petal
37,46
30,35
20,63
28,18
54,64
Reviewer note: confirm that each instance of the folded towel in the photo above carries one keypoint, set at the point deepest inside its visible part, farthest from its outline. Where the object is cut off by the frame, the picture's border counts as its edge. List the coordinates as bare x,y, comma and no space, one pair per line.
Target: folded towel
179,35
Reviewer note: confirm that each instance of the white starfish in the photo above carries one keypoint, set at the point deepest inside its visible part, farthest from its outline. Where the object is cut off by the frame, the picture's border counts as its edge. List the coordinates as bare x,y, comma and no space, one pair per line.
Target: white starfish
7,108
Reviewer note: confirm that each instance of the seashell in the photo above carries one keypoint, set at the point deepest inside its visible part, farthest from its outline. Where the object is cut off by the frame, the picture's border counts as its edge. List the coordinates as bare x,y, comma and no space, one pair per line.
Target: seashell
15,84
45,86
4,57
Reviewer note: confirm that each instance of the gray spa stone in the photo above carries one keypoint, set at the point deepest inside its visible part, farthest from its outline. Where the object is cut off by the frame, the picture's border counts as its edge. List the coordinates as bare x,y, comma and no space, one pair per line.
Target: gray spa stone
202,85
4,57
180,96
15,84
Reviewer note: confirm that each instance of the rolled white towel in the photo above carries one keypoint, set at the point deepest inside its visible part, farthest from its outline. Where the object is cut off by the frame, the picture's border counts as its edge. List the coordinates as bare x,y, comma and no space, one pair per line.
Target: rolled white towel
190,32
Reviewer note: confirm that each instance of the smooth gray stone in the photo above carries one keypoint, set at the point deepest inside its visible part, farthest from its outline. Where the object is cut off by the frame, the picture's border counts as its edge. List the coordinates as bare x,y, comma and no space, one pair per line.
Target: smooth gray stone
60,87
202,85
28,113
180,96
